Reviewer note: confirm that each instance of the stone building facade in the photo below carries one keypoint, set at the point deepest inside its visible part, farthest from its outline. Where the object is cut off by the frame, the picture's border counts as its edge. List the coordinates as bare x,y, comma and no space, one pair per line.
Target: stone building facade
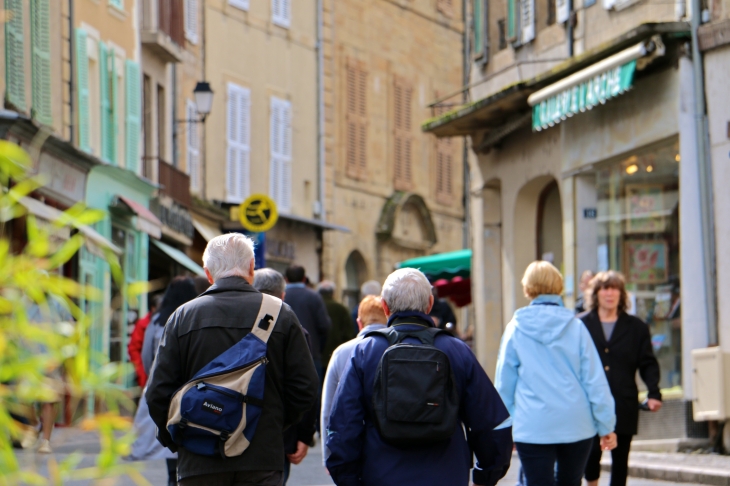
397,190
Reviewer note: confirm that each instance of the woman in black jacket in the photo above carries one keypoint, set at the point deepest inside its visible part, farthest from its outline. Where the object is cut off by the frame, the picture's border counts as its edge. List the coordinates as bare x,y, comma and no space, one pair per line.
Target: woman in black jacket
624,344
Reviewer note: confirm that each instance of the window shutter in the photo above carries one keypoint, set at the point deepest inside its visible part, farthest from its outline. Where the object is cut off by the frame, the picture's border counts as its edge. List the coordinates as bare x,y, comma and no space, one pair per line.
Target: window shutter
191,21
242,4
562,13
15,54
527,20
356,156
402,136
193,152
113,115
41,62
512,20
104,100
478,26
280,167
238,135
281,12
82,86
133,115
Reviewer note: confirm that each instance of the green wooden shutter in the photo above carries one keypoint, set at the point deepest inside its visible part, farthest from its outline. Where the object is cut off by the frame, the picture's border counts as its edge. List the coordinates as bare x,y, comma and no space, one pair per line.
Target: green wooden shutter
478,28
113,128
82,87
15,54
41,61
104,101
134,108
511,20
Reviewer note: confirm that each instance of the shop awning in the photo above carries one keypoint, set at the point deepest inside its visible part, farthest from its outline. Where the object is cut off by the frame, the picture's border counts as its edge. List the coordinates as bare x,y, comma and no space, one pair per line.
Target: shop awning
442,265
180,257
206,230
146,222
94,241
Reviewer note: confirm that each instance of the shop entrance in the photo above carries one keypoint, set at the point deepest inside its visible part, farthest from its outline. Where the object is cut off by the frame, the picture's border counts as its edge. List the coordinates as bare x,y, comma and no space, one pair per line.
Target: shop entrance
550,226
355,274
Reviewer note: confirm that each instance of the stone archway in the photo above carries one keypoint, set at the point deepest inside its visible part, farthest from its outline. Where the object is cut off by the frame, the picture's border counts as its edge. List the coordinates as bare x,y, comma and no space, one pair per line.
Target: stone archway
537,228
356,273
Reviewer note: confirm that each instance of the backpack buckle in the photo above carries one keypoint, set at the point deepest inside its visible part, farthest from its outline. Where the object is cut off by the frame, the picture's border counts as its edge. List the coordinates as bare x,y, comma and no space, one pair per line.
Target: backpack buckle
225,435
183,423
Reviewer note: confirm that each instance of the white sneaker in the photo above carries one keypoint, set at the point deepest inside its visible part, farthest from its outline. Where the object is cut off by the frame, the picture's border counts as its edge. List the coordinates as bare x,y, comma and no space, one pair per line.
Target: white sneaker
30,437
44,447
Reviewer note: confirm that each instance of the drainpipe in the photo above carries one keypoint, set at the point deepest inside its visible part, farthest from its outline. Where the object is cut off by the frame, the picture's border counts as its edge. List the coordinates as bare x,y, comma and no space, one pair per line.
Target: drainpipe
705,176
320,111
571,28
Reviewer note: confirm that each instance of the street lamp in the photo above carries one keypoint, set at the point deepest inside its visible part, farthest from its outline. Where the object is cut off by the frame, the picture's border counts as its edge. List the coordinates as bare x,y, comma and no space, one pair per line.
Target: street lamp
203,102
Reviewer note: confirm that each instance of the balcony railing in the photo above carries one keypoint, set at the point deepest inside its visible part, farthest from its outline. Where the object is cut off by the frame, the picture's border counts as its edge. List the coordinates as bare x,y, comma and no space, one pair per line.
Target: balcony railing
175,183
163,23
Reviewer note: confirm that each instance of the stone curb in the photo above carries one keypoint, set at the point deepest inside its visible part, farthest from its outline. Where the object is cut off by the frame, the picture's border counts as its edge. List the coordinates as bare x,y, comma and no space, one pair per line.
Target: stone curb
675,473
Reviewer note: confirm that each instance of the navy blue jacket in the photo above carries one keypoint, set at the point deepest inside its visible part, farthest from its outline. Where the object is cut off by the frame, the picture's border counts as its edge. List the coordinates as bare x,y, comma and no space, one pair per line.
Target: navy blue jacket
359,457
309,308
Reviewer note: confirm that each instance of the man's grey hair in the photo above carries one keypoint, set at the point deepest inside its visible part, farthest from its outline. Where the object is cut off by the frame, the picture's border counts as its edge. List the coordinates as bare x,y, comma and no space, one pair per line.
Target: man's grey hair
326,287
371,287
228,255
407,289
269,281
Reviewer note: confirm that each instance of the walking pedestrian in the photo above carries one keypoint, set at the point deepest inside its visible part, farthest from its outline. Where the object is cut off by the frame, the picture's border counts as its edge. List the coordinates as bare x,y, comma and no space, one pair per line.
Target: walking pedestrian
145,448
371,287
136,341
550,378
417,435
584,285
204,329
370,318
298,439
309,308
341,330
441,311
623,342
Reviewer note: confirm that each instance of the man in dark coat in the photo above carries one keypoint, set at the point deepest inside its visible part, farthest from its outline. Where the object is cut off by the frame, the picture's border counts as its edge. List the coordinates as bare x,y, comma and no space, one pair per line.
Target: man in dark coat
341,330
204,328
623,342
358,454
311,312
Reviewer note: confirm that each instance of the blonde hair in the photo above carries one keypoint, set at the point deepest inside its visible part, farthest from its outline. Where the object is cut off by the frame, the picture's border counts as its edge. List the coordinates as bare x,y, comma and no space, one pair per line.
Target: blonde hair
371,311
610,279
541,278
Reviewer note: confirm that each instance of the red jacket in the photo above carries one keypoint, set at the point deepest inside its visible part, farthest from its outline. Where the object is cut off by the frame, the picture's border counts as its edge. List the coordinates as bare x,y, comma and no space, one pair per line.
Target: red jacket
134,348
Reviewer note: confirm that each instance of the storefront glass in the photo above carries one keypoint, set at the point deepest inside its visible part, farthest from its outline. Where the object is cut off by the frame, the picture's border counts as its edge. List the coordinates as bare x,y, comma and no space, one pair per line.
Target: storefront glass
638,235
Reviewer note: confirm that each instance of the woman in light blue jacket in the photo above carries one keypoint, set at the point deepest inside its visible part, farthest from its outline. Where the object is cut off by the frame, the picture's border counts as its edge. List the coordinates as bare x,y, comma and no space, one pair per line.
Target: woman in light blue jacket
549,376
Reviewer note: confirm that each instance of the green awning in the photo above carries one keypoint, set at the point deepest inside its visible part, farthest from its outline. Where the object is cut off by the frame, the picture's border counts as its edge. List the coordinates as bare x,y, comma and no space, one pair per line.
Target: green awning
442,265
179,257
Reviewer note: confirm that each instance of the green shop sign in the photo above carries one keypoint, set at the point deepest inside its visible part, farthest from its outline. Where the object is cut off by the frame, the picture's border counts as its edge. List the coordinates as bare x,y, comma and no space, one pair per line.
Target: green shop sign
583,96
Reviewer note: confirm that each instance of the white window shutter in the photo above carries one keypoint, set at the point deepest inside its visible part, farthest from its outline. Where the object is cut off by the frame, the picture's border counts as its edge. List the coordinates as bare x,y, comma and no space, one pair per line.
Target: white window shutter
238,135
193,151
562,12
191,21
281,12
527,20
281,150
242,4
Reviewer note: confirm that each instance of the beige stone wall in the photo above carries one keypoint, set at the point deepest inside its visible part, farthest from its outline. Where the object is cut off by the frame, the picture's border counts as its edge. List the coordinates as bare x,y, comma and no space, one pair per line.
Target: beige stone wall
420,45
246,48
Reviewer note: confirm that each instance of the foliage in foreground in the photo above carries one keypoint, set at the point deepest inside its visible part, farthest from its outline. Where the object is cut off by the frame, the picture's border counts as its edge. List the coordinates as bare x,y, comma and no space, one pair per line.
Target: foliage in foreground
32,353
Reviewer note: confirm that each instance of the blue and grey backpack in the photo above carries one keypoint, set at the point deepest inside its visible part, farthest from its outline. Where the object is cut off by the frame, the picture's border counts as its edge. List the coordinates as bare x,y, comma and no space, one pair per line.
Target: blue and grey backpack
216,412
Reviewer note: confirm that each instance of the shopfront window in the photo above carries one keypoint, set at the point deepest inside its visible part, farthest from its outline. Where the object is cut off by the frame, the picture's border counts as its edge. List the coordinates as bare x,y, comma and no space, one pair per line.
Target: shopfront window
638,235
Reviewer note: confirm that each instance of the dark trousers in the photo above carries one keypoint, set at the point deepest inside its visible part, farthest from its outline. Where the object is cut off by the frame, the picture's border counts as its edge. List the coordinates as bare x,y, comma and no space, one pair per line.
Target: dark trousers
619,460
241,478
554,464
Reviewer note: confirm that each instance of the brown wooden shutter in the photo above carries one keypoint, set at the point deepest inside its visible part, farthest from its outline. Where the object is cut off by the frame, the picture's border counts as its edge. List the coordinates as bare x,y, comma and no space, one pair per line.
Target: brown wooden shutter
402,138
356,120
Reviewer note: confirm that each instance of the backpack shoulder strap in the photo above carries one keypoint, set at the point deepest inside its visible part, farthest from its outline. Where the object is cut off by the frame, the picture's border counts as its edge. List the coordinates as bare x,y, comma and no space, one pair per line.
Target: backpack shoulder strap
267,317
427,335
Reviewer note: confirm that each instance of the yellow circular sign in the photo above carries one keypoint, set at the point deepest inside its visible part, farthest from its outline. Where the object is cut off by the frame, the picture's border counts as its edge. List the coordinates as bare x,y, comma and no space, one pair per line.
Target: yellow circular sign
258,213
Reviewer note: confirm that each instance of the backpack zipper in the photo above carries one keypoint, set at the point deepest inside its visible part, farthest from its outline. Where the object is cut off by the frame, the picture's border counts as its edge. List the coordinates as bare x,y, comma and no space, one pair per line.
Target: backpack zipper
218,389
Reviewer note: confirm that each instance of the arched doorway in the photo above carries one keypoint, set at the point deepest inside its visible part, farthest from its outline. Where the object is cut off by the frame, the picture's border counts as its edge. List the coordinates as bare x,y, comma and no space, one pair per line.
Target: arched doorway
355,275
538,229
550,226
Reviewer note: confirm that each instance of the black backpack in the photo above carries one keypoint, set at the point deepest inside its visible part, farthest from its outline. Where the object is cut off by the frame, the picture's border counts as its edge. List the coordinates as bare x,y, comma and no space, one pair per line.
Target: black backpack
415,400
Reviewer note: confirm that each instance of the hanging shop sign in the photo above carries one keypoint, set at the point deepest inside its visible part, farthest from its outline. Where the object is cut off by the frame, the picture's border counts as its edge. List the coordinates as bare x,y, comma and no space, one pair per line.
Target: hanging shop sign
589,87
584,96
258,213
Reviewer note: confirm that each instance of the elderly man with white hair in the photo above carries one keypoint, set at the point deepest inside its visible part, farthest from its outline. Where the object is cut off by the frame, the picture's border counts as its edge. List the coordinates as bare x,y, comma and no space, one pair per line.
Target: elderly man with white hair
206,327
370,435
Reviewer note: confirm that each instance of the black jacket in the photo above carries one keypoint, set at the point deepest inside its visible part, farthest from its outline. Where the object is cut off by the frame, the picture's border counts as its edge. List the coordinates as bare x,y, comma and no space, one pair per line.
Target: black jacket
204,328
312,314
628,350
